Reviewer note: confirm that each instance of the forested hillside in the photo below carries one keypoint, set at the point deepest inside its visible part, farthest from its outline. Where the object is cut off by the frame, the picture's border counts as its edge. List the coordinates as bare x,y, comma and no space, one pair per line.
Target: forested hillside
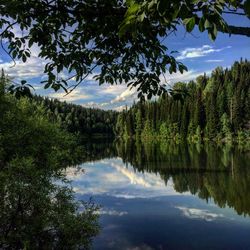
77,119
216,107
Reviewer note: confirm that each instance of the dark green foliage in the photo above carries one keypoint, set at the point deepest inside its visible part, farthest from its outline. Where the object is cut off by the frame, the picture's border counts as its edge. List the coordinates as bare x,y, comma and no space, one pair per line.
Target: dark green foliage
215,107
167,15
21,90
122,39
36,212
79,120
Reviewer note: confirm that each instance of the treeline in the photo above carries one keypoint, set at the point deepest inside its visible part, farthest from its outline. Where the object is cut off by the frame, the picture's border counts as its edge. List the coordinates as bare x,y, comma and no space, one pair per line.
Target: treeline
77,119
216,107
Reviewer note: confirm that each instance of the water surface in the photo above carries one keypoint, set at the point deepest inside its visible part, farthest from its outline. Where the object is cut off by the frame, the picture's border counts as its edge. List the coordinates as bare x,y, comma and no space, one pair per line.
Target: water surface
167,196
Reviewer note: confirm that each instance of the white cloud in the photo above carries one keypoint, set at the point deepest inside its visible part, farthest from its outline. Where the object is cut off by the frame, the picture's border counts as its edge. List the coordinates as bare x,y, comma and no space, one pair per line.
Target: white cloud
125,95
30,69
106,96
120,108
37,87
76,95
199,52
113,89
91,104
195,213
119,97
178,77
214,60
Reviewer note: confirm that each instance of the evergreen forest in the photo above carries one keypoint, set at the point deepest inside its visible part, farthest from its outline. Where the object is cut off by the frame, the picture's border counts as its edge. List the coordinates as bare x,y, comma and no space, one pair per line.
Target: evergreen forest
215,107
86,122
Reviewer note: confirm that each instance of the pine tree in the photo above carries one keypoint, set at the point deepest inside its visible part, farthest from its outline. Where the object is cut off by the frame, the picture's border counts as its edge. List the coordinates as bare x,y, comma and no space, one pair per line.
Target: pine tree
138,123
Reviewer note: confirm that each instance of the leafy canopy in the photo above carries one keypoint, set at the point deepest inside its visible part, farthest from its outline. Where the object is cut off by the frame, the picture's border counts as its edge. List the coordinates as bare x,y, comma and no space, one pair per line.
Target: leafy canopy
119,41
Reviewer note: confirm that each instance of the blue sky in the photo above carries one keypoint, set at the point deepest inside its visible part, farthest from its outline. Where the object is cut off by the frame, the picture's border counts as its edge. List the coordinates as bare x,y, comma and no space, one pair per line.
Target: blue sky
196,51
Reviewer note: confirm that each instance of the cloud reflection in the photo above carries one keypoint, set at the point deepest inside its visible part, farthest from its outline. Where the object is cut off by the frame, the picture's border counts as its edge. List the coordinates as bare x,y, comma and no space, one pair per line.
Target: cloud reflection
111,177
112,212
195,213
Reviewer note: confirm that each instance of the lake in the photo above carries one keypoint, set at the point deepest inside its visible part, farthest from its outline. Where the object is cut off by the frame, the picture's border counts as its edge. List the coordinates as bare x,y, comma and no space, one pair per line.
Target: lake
167,196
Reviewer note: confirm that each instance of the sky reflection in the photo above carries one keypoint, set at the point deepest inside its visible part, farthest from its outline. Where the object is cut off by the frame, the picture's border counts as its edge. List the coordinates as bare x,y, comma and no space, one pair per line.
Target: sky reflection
139,211
113,178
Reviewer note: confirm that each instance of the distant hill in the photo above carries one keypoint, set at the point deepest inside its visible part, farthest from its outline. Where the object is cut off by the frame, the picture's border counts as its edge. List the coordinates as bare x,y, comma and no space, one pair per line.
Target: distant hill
78,119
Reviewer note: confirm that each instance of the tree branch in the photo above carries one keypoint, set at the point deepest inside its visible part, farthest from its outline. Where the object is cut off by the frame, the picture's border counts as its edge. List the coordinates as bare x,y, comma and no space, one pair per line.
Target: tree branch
73,87
234,30
234,13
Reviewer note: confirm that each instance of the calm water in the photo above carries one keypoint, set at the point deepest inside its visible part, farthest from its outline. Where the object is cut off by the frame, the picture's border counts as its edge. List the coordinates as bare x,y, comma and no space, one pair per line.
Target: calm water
167,196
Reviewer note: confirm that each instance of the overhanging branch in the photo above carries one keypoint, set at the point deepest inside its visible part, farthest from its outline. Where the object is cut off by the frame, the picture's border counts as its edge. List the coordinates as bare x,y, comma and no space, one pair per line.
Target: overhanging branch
234,30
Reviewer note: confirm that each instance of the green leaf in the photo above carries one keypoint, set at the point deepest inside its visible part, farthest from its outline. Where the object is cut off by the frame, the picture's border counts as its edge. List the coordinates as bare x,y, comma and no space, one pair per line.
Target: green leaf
30,43
149,96
132,9
215,31
211,35
47,85
14,54
190,23
201,25
162,6
207,25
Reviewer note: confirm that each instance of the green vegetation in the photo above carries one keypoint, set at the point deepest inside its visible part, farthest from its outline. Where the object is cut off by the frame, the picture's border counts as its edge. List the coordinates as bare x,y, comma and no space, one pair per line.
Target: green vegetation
215,108
122,39
118,42
35,211
85,122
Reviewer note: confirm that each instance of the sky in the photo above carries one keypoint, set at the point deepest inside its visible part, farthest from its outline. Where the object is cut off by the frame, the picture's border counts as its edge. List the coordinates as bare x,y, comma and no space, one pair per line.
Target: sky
195,50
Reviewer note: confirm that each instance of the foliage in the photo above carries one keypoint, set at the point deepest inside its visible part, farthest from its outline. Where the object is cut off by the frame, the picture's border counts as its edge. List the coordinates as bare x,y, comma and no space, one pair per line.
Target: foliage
35,211
225,126
79,120
216,106
138,121
167,15
21,122
164,131
117,41
147,132
21,90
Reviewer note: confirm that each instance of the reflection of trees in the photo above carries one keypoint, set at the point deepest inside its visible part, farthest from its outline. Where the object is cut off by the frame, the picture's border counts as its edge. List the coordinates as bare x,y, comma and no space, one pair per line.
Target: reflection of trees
207,170
98,149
